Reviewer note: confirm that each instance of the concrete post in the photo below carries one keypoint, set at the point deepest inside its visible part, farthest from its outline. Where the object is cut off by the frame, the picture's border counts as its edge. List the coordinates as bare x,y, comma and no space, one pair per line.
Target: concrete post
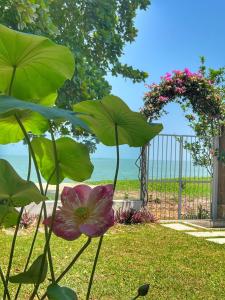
215,181
221,180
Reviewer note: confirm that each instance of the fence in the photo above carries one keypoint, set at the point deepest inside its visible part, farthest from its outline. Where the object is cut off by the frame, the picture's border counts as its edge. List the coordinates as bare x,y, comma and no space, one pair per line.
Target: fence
178,188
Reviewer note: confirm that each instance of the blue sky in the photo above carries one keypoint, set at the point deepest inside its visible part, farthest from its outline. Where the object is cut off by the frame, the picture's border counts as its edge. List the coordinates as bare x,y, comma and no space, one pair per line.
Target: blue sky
172,35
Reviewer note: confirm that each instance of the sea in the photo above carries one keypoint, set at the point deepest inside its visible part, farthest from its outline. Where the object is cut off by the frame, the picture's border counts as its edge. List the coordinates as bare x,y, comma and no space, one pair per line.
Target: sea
104,168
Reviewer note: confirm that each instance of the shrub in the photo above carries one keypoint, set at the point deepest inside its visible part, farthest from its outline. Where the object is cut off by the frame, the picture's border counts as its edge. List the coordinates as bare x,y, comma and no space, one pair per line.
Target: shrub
27,219
132,216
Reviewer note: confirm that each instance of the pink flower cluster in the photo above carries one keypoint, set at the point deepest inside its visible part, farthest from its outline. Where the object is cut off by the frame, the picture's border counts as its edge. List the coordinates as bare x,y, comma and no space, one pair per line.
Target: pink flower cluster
177,85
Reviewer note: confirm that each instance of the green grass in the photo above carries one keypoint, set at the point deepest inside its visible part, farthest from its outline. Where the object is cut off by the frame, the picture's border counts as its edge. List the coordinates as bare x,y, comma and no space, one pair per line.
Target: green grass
178,266
192,189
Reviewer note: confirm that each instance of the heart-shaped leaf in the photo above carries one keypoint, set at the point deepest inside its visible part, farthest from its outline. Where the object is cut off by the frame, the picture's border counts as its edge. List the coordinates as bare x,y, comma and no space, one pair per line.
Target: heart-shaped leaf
10,106
74,161
56,292
102,116
8,216
11,131
14,190
39,66
31,276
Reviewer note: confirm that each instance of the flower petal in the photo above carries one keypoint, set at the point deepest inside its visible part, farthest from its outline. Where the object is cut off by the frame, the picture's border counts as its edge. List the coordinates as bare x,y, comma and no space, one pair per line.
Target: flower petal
100,193
76,196
83,191
97,229
63,228
65,192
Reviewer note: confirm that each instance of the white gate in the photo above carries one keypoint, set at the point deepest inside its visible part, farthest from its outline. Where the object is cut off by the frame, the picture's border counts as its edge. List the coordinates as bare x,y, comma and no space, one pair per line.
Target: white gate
179,180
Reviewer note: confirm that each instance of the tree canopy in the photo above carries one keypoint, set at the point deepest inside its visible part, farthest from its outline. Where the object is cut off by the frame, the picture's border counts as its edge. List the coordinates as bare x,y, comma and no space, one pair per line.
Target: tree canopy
95,30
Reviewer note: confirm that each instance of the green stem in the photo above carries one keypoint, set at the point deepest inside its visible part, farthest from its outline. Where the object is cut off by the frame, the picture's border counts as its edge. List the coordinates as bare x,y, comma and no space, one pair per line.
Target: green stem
4,284
31,249
48,249
41,187
19,217
47,184
135,297
117,158
70,264
11,82
101,238
31,152
29,166
47,243
35,235
94,268
12,251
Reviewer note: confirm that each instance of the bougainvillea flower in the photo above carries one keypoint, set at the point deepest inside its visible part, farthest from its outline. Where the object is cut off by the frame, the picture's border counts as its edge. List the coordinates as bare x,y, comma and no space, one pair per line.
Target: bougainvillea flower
84,210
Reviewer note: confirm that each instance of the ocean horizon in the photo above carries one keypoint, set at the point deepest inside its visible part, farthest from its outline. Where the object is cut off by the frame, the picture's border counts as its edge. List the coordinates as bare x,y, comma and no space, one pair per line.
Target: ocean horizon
104,168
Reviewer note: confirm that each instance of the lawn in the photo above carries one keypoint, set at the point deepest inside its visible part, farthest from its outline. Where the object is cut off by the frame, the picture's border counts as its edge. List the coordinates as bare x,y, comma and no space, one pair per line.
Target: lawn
190,186
178,266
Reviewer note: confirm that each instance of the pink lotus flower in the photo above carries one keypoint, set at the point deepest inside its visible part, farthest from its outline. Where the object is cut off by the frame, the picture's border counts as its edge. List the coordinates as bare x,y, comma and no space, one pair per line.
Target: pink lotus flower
84,210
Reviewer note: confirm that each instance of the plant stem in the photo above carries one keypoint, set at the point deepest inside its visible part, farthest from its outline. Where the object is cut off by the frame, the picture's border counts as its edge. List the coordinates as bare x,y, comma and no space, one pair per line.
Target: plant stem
31,249
94,267
47,243
29,165
12,251
28,178
117,158
4,284
11,82
135,297
18,220
41,188
34,238
31,152
101,238
50,177
70,264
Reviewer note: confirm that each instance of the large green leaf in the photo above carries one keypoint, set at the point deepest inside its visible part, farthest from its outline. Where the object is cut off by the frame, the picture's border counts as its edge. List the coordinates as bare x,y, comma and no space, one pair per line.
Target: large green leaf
16,191
11,131
10,106
56,292
8,216
40,65
102,116
73,158
31,276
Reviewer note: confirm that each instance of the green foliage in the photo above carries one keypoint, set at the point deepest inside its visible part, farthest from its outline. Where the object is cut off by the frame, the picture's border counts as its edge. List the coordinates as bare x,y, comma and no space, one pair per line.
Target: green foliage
14,191
28,62
10,129
201,96
56,292
96,32
32,69
32,115
73,159
102,116
177,271
31,276
8,216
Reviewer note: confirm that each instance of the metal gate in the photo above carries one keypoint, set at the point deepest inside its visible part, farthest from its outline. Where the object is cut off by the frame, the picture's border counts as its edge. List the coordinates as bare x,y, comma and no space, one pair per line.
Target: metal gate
178,187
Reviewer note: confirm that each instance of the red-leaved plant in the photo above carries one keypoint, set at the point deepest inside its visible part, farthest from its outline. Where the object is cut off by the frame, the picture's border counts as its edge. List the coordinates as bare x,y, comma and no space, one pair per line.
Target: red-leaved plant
132,216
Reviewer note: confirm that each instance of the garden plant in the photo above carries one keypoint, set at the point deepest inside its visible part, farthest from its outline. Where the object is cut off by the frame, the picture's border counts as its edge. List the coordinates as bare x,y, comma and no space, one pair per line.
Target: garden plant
32,69
201,96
